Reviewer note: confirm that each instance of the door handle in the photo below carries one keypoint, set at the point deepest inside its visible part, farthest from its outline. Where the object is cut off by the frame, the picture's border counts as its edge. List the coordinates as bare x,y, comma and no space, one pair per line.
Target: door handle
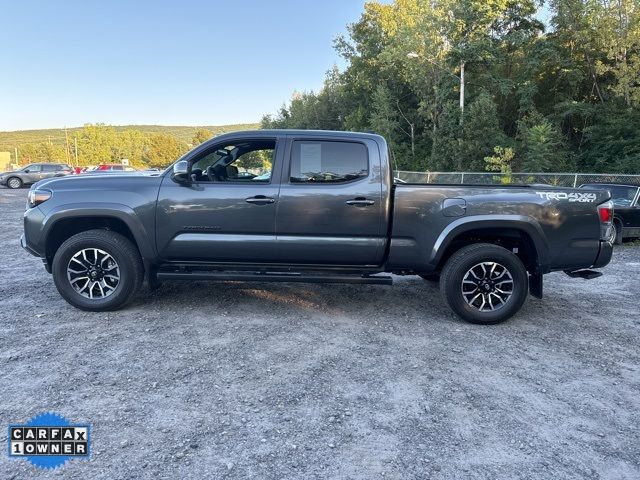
260,200
360,202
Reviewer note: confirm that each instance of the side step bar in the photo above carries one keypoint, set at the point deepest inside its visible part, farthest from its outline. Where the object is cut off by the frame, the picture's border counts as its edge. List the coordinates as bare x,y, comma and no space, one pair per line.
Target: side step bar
586,274
221,276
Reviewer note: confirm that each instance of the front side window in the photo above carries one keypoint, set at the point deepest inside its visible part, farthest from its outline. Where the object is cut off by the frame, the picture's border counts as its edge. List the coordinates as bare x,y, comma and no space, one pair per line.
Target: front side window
327,162
32,168
249,161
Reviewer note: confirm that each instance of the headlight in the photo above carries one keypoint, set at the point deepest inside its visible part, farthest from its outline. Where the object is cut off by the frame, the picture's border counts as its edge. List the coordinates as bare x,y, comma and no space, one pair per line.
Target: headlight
36,197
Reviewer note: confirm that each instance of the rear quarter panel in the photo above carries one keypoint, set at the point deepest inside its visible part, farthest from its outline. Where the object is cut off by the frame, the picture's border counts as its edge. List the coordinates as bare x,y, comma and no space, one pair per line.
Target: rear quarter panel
566,232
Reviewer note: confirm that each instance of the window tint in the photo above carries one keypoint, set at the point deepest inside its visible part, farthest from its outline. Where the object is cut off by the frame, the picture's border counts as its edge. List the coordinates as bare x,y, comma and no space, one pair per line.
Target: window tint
50,168
622,196
327,161
244,161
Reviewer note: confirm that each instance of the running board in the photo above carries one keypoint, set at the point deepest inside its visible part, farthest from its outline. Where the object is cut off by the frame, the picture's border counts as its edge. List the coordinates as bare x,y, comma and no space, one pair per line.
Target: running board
586,274
221,276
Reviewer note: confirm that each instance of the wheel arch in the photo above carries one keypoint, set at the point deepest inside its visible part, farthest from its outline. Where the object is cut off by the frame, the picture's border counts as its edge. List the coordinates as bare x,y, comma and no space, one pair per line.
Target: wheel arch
63,223
519,232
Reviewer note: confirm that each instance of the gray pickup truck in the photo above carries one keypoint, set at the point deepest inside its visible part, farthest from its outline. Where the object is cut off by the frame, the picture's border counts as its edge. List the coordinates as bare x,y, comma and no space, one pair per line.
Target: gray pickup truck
310,206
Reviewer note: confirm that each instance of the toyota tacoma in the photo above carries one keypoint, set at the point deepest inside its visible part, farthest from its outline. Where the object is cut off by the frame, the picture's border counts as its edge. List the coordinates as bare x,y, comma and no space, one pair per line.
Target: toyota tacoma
310,206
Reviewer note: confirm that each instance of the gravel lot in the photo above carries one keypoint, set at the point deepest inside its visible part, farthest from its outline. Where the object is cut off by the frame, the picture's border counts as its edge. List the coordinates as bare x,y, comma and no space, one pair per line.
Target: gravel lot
198,380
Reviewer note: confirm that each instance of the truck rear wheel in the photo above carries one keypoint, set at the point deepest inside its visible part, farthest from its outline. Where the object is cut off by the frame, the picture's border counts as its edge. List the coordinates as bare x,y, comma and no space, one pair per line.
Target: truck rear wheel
97,270
484,283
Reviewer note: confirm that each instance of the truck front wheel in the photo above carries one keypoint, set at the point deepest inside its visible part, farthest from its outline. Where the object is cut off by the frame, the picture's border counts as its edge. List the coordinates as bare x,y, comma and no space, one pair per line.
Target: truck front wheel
97,270
484,283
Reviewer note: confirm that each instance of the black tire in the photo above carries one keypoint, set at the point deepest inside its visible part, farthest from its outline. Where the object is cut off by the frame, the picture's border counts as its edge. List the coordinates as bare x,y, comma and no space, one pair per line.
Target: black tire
616,236
123,252
430,277
14,183
460,265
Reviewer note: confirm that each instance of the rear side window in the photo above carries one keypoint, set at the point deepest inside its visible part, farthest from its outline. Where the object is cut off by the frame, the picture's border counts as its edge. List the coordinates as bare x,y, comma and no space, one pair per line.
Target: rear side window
328,162
50,168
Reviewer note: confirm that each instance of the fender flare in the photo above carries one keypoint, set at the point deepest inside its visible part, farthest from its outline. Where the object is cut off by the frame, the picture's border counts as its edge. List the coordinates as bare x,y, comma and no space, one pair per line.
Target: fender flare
118,211
523,223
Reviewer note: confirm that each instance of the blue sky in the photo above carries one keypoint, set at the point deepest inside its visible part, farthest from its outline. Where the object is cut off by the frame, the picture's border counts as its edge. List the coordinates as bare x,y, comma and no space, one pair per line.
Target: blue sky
185,62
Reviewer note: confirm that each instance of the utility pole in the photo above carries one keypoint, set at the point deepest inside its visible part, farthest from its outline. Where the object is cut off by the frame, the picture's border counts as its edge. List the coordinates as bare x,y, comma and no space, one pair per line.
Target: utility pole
461,91
75,147
66,150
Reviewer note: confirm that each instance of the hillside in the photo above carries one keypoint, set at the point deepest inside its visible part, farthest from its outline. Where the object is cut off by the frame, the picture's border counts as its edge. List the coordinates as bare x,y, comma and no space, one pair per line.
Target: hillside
10,140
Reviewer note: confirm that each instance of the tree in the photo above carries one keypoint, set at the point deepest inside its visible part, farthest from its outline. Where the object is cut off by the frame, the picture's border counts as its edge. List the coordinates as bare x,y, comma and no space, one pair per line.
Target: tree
554,97
201,135
500,162
481,133
543,147
96,144
163,149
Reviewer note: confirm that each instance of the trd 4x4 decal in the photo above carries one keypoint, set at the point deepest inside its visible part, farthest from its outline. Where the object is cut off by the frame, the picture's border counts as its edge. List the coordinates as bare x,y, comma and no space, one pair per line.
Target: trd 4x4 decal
571,197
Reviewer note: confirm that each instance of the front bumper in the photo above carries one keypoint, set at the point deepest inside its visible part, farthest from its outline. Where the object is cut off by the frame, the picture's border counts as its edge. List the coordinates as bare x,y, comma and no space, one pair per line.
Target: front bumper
604,254
23,244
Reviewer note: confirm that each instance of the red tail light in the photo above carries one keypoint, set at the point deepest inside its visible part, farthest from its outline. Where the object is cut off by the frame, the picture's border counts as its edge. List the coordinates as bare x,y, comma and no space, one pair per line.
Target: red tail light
606,212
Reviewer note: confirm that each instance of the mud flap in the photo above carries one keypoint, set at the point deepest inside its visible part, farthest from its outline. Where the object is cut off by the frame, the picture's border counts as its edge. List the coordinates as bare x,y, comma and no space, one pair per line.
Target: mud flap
535,285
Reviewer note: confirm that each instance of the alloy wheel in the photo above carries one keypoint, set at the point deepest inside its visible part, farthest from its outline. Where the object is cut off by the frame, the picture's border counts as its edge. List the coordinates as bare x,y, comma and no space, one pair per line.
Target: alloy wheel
487,286
93,273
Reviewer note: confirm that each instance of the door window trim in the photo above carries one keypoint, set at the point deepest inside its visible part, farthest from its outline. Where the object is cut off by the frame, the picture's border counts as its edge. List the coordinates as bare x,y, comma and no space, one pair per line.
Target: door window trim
277,140
312,139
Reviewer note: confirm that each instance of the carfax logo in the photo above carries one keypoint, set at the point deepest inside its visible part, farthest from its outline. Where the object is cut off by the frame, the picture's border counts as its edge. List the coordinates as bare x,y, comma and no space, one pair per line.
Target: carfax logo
49,440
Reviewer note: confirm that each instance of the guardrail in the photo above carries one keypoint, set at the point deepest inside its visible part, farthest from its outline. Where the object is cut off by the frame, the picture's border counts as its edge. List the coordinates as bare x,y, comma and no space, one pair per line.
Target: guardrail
491,178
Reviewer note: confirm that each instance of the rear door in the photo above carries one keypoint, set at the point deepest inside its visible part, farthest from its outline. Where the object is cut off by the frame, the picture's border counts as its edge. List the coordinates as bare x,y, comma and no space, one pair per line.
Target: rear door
330,206
50,170
227,213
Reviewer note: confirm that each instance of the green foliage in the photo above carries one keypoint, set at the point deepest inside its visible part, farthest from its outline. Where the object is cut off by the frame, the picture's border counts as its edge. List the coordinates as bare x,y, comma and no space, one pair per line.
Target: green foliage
481,132
201,136
501,162
163,149
562,99
144,145
542,146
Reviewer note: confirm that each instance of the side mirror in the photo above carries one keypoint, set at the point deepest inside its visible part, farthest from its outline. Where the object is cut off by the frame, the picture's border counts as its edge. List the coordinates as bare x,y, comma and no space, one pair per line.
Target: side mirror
181,171
27,171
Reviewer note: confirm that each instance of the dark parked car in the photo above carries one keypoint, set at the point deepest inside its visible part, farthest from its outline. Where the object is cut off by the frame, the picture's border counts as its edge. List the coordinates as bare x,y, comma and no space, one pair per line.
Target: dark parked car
626,209
328,211
34,173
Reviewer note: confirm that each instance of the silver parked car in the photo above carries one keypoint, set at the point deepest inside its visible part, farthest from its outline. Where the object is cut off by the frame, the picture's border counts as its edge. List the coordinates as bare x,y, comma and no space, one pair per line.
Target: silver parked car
33,173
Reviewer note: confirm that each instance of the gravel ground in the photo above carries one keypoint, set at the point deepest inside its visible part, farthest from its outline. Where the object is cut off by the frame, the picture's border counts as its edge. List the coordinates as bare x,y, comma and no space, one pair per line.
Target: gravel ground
199,380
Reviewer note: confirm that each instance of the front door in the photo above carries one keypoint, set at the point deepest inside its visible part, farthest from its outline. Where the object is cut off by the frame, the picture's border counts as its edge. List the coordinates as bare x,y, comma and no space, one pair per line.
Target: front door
227,213
331,205
32,173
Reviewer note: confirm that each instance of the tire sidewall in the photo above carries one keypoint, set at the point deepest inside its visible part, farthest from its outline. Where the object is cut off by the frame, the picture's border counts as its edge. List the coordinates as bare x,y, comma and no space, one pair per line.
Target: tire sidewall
617,234
18,185
59,270
453,288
